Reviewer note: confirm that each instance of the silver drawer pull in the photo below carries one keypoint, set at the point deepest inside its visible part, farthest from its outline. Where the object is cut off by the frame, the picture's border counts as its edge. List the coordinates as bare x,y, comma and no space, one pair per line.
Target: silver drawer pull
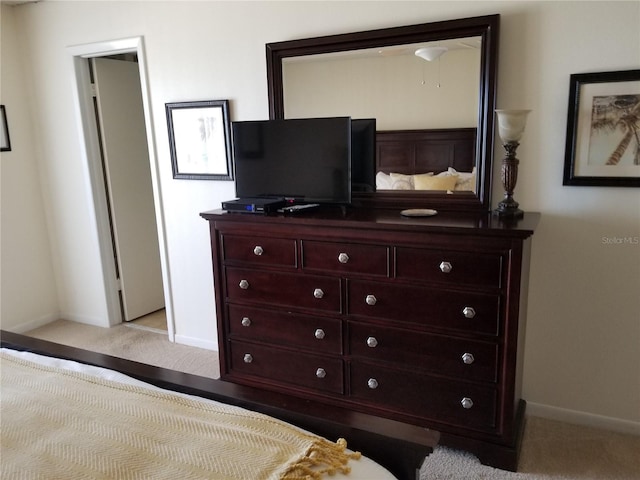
468,312
468,358
370,300
343,258
466,403
244,284
372,383
318,293
445,267
247,358
372,342
319,334
258,250
246,322
321,373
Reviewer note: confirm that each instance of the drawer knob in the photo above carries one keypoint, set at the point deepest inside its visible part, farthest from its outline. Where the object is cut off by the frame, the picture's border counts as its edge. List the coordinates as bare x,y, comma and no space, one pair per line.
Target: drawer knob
343,258
321,373
469,312
244,284
247,358
258,250
318,293
246,321
445,267
466,403
371,300
372,342
372,383
468,358
319,334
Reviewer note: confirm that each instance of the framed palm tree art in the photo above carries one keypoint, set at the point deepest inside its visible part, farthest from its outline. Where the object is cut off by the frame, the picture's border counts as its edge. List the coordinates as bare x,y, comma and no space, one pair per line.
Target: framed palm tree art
603,130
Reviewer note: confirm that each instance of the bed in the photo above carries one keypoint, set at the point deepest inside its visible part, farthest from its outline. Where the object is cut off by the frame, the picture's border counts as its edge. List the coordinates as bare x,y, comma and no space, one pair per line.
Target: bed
430,159
44,368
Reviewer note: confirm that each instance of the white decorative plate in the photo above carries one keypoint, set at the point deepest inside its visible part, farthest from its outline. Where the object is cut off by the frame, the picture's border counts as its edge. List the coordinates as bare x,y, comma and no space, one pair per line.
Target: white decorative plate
418,212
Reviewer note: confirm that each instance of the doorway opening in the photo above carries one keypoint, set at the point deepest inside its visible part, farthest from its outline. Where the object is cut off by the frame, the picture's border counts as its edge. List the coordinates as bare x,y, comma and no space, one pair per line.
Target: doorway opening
115,187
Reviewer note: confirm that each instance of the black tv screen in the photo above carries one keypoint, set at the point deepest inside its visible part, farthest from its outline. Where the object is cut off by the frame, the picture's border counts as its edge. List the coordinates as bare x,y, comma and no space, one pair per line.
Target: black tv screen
303,160
363,155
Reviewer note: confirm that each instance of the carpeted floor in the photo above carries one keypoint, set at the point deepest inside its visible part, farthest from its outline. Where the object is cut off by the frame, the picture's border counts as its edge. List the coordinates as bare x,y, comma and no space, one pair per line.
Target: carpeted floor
551,450
141,344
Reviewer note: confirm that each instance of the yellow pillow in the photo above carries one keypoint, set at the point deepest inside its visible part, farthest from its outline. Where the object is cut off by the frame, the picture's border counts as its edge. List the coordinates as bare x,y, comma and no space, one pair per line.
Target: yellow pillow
413,177
435,183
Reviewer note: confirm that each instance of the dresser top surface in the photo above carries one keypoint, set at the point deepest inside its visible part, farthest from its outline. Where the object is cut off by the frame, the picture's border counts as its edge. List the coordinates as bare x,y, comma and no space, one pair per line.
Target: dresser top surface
391,219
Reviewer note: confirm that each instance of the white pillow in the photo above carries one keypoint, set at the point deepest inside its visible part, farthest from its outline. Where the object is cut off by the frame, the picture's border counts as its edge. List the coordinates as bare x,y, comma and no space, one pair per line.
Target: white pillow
466,180
401,182
383,181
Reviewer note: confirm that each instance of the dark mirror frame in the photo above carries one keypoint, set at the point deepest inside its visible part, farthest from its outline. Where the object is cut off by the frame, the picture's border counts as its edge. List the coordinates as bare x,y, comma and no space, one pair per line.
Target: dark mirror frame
486,27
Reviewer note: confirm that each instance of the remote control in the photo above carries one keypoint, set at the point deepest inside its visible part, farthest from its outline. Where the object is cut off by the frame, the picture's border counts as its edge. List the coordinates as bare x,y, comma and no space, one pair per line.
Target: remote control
296,208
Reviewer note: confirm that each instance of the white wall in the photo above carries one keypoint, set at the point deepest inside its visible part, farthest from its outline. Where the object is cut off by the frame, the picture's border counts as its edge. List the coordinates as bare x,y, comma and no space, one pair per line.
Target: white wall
583,329
402,92
27,282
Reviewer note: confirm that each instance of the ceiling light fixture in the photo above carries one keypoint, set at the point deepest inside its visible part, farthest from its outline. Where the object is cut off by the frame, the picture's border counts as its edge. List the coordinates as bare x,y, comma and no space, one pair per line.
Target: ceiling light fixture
430,53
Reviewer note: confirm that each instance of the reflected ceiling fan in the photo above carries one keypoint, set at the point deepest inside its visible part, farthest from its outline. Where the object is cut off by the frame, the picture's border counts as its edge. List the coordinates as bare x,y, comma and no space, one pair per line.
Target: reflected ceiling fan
433,50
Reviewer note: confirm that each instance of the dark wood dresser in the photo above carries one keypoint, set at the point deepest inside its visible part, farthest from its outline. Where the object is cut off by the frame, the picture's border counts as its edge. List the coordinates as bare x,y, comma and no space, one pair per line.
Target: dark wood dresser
419,320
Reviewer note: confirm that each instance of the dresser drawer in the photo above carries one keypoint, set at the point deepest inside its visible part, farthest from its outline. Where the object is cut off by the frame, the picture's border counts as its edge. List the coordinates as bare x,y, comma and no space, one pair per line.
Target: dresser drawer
285,328
439,354
345,258
449,268
464,404
275,288
241,249
284,367
459,311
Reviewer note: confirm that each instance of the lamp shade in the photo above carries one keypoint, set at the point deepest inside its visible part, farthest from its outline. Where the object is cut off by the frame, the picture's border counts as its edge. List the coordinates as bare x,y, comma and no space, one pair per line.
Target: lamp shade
511,124
430,53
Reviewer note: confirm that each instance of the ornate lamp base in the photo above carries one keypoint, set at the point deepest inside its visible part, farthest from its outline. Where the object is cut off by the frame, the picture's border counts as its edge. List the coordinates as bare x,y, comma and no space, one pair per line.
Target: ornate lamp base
508,208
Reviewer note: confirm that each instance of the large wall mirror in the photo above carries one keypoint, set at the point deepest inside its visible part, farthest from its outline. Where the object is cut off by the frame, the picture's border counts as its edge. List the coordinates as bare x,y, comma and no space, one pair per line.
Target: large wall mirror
378,74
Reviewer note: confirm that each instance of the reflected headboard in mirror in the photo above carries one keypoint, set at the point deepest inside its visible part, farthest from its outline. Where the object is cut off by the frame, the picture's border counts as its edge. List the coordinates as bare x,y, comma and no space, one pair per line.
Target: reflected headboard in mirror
453,93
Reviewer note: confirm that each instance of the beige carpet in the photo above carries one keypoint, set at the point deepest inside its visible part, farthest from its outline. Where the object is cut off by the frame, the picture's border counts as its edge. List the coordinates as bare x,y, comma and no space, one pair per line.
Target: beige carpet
140,344
550,451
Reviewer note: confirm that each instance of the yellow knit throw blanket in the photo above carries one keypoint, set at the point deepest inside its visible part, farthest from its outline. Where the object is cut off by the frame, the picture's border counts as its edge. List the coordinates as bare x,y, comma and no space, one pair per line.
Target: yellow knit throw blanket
59,424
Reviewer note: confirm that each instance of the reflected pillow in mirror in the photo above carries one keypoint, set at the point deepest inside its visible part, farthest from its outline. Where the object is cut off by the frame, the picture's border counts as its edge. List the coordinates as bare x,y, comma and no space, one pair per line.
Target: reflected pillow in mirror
438,182
383,181
418,176
393,181
399,181
466,180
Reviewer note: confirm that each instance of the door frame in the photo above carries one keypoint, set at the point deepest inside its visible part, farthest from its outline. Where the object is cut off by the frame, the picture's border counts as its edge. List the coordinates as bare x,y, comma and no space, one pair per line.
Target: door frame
91,150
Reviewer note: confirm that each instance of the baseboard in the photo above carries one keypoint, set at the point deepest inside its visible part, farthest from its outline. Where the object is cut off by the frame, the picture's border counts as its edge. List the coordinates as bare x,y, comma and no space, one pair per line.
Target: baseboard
40,322
196,342
32,324
94,321
583,418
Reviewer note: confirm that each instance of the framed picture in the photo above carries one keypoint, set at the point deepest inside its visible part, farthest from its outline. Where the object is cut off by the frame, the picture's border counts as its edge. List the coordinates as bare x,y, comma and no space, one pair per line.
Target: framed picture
200,140
5,142
603,130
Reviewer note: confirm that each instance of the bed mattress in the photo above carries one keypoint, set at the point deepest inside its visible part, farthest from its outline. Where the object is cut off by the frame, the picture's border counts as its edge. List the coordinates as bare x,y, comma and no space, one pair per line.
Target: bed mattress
360,469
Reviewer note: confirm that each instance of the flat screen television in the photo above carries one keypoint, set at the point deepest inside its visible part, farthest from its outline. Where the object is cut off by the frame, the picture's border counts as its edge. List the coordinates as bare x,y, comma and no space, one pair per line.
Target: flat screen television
363,155
301,160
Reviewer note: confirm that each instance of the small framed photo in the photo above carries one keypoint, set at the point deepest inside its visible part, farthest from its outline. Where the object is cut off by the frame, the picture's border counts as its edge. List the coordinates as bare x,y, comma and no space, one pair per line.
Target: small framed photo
603,130
200,140
5,142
